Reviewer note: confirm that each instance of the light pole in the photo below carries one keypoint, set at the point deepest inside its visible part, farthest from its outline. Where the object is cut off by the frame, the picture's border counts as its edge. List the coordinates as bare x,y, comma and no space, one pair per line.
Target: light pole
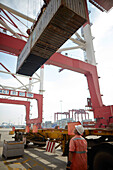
61,111
61,105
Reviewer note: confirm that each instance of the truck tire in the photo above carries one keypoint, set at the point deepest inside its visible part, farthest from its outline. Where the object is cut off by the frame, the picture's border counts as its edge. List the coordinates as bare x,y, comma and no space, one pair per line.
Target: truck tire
66,151
26,145
103,160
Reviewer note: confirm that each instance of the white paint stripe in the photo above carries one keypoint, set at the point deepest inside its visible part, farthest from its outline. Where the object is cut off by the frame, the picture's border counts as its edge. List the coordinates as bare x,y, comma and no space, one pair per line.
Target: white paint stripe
49,153
52,166
33,155
51,144
64,159
46,162
43,160
28,164
53,147
40,159
26,151
47,146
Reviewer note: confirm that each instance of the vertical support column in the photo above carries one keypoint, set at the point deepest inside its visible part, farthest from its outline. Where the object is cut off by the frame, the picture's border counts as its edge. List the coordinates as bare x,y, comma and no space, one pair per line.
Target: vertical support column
41,79
54,117
88,115
81,116
30,89
57,116
72,114
78,116
30,84
75,116
89,53
41,83
69,115
85,115
27,111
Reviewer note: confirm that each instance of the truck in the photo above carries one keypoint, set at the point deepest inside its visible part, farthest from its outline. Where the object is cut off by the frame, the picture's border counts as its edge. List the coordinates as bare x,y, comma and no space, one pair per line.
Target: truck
99,140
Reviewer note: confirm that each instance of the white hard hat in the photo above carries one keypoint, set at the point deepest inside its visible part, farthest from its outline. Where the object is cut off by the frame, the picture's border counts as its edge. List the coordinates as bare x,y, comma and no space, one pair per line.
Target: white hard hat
79,129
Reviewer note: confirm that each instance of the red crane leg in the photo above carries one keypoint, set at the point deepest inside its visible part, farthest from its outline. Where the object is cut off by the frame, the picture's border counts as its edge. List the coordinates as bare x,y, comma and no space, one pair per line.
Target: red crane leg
79,66
19,102
38,97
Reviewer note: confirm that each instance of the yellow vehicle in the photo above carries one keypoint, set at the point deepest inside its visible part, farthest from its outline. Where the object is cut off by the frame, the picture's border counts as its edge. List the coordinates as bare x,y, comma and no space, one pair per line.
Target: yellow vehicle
100,143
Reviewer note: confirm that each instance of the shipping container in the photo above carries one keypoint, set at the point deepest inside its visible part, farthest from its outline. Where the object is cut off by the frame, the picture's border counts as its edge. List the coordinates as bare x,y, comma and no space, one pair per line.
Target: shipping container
60,20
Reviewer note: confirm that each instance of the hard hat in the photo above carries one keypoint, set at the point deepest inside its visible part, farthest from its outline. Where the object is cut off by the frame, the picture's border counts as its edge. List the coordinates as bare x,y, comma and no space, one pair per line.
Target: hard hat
79,129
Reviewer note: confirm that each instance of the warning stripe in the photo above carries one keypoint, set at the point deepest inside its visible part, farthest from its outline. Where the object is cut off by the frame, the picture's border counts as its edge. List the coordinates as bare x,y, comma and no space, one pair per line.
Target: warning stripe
53,147
50,147
47,145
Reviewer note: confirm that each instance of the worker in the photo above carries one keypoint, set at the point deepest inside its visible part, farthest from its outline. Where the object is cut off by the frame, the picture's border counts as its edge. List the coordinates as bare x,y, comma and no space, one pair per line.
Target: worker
77,159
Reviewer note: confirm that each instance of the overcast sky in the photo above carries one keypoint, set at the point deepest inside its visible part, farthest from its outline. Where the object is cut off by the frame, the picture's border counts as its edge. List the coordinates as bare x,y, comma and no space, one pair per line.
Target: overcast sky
65,90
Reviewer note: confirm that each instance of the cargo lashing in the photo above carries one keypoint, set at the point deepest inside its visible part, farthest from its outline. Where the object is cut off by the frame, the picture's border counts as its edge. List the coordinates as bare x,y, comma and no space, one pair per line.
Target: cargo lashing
60,20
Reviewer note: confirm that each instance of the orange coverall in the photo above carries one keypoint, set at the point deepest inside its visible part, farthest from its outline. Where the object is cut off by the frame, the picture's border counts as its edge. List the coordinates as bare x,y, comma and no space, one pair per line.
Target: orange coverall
78,146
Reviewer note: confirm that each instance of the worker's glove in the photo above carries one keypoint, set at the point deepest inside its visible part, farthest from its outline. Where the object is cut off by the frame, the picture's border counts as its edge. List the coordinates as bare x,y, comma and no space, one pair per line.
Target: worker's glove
68,165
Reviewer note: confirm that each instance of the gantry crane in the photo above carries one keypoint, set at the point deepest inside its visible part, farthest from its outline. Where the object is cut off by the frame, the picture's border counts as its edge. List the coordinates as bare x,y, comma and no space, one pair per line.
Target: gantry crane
27,65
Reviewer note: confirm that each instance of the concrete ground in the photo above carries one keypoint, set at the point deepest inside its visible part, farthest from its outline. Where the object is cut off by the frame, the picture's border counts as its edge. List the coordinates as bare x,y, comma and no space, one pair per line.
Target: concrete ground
33,158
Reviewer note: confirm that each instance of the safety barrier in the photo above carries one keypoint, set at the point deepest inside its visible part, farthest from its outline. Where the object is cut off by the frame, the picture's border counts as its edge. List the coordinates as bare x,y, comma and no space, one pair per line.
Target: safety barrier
50,147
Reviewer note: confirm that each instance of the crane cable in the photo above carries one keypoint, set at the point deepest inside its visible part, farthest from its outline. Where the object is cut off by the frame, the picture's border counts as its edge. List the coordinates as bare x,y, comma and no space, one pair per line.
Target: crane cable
27,11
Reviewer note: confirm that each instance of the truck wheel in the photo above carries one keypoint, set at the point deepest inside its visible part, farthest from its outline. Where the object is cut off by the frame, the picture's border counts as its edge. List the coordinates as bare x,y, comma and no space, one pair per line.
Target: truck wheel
103,160
66,151
26,145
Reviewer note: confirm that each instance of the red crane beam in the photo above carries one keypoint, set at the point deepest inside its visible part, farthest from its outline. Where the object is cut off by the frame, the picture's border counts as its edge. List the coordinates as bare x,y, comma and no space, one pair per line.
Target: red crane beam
10,44
19,102
105,4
